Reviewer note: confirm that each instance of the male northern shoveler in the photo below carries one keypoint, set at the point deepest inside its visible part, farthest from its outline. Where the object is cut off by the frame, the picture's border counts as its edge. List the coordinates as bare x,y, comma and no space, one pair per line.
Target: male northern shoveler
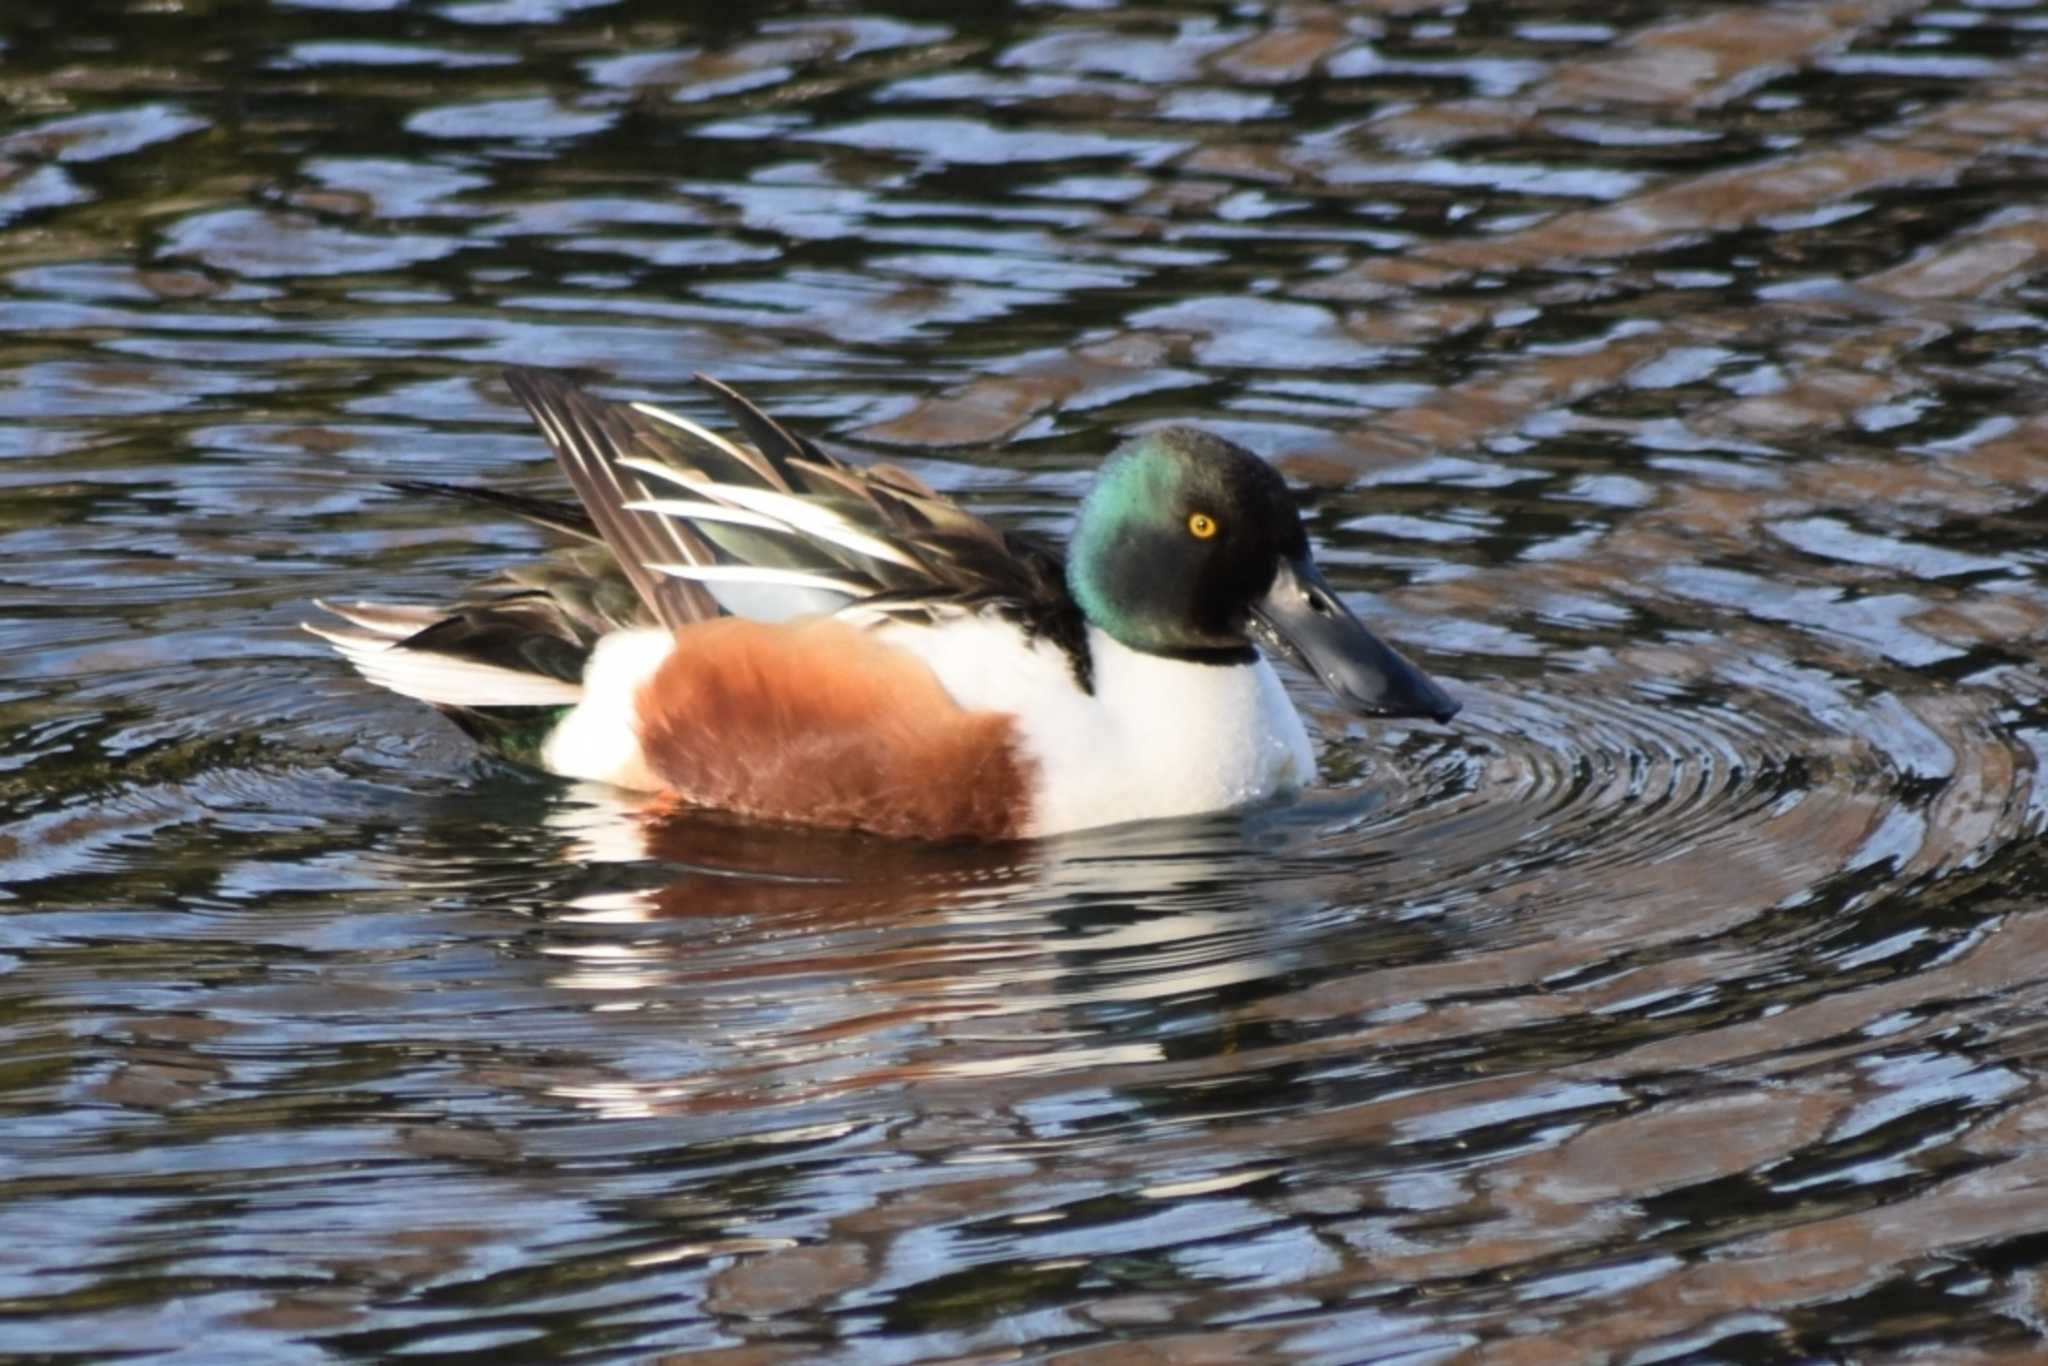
768,630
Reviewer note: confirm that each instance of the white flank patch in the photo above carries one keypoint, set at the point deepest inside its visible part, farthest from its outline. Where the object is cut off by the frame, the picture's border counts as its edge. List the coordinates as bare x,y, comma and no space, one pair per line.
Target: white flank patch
600,740
442,680
1159,737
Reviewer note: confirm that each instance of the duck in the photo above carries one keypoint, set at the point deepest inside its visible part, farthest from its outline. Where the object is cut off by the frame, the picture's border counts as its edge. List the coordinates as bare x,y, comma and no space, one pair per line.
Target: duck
751,624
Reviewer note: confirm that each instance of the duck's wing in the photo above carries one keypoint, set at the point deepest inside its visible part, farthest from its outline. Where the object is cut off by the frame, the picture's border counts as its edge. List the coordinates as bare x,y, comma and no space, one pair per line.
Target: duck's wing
774,527
678,524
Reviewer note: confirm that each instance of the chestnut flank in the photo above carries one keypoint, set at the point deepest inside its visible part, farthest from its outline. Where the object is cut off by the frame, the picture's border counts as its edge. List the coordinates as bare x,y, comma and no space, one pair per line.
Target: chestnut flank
817,723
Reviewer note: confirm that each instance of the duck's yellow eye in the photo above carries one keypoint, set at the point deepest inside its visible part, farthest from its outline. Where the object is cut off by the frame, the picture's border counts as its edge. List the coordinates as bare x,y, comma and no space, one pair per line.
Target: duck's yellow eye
1201,526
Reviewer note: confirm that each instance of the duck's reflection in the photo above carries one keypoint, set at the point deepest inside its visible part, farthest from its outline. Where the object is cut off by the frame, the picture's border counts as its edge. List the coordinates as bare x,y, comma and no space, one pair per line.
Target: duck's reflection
798,964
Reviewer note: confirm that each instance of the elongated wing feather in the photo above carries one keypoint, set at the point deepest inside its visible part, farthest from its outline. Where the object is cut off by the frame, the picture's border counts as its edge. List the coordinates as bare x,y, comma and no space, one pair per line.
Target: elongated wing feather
589,438
775,442
551,513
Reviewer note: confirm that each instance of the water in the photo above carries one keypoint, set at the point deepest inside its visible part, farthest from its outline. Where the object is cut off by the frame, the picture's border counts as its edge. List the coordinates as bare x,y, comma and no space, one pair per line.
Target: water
1669,380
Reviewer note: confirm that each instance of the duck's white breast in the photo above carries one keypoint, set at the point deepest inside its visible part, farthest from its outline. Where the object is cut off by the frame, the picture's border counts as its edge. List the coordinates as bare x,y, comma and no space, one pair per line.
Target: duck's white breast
1159,737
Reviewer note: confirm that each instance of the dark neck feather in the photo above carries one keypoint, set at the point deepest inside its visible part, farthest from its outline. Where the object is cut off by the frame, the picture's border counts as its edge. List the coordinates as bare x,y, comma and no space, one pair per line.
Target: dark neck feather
1222,657
1064,626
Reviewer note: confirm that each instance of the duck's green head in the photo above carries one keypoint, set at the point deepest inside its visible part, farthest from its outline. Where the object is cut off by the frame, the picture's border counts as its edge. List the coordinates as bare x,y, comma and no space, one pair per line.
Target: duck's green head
1191,547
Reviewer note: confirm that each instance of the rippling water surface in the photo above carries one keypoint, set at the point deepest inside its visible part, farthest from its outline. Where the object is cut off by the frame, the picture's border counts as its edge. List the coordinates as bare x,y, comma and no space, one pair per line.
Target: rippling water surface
1668,378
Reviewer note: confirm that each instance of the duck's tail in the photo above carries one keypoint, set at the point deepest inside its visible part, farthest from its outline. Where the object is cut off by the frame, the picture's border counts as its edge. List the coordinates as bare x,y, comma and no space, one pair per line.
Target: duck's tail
457,660
508,686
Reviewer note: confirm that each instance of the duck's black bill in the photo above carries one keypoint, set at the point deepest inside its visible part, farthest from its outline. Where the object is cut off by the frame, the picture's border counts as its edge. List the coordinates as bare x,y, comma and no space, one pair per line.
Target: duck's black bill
1302,619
